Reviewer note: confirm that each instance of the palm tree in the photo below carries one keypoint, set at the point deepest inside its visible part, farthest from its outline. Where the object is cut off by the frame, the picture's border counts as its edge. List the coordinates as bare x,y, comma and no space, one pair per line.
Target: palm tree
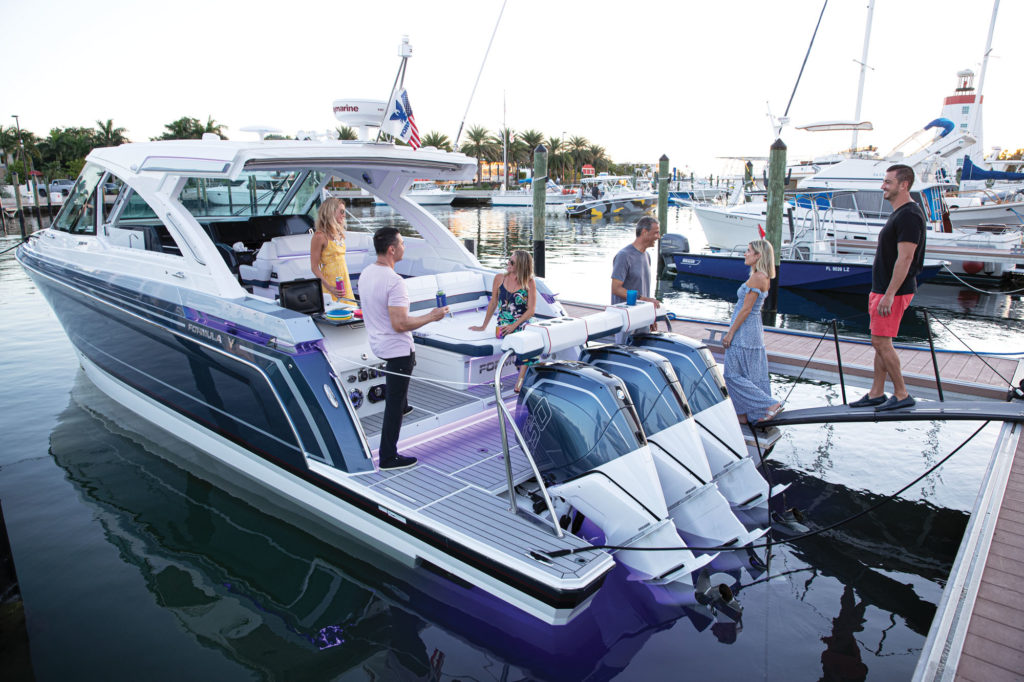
436,139
184,128
556,157
481,145
214,127
347,133
597,156
578,147
109,136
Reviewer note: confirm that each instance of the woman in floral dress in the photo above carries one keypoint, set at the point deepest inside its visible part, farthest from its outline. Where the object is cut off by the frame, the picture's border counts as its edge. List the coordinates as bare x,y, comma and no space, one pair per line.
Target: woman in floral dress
515,296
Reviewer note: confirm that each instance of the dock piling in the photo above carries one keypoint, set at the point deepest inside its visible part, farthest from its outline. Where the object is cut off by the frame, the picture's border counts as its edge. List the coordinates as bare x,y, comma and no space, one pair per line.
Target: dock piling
21,209
773,219
540,188
663,193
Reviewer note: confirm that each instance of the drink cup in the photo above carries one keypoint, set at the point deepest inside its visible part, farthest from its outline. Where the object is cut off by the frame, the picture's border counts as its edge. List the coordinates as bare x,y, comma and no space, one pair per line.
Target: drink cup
631,297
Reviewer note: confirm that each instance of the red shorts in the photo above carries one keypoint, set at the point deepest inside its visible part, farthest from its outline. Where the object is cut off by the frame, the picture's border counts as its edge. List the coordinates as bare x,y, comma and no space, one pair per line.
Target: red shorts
888,325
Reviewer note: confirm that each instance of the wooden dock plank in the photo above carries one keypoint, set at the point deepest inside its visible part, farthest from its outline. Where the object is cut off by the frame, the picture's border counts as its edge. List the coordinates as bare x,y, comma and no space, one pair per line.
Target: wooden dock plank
994,644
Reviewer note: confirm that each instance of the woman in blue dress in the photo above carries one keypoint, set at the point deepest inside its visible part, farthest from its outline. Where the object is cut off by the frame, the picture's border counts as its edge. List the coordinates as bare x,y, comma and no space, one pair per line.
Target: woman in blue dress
515,296
746,361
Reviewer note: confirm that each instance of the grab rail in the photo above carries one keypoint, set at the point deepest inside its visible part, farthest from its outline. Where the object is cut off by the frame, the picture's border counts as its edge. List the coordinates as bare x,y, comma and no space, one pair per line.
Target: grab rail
503,414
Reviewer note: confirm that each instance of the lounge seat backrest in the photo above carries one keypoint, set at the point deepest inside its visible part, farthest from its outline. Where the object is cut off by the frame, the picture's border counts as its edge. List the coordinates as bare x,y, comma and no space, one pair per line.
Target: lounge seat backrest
422,291
463,289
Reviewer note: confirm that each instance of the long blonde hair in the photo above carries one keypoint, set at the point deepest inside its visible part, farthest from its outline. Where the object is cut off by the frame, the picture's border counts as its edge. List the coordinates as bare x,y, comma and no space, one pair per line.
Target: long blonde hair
327,218
765,258
523,267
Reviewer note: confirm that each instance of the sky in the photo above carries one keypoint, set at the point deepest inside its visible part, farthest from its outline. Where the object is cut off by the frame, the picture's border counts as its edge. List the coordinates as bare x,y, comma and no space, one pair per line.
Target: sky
692,80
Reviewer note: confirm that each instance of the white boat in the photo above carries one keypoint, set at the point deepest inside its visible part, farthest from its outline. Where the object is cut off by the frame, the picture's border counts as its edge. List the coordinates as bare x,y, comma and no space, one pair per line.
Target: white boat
858,213
555,195
695,191
228,348
424,193
605,196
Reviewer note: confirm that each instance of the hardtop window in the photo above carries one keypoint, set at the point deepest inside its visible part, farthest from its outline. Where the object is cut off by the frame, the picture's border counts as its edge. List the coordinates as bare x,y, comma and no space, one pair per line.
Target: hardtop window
254,193
78,216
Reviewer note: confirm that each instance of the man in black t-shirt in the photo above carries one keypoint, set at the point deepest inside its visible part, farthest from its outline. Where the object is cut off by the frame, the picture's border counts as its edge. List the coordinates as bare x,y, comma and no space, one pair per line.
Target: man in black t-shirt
898,258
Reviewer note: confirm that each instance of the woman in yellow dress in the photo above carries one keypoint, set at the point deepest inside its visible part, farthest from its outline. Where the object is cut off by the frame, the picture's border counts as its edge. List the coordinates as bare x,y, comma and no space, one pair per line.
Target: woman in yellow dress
327,251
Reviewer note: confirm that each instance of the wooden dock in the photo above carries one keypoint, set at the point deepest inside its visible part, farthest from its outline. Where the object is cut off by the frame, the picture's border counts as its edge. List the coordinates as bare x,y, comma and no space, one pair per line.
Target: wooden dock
993,648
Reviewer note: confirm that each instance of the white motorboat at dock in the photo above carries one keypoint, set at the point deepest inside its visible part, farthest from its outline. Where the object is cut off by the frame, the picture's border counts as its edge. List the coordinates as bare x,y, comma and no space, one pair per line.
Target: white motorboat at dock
227,347
604,196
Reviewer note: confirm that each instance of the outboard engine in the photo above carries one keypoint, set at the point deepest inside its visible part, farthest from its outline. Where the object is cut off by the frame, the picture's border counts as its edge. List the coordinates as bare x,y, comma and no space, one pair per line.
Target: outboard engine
699,510
669,245
734,471
585,436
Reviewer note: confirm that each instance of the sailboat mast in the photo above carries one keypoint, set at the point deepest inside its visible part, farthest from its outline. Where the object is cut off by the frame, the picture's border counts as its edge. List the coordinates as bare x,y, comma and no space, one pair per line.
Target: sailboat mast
863,72
984,65
504,143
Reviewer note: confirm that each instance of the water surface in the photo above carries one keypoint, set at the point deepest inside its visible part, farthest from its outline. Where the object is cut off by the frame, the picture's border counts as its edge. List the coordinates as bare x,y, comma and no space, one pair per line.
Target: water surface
139,559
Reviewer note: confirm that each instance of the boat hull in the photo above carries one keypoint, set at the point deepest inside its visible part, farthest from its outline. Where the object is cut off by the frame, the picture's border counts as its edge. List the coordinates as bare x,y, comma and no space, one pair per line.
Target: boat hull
833,275
610,207
263,413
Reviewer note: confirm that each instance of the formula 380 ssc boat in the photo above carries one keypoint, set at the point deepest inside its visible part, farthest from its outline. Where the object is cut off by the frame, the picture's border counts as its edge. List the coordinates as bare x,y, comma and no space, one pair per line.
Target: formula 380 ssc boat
204,318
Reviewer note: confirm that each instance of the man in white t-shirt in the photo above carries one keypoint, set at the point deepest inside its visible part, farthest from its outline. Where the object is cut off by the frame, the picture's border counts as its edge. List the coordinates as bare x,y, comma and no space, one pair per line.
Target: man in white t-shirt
385,303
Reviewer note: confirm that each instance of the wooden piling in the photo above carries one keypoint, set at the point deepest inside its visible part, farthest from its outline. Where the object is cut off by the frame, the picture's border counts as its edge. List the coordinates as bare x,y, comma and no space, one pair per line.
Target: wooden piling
773,219
663,193
540,188
21,209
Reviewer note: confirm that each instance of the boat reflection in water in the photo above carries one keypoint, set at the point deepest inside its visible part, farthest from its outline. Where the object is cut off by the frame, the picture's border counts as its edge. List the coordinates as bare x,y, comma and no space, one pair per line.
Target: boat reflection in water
239,575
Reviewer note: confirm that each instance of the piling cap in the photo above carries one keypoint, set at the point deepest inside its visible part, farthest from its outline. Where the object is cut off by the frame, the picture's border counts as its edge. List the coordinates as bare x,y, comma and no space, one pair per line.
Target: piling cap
778,144
541,149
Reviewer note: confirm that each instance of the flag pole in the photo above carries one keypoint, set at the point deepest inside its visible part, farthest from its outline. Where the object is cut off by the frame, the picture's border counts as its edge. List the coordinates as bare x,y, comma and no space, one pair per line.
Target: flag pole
404,51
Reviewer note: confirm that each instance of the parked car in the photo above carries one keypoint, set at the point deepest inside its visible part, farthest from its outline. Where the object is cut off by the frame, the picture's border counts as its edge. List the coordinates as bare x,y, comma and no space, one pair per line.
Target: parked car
61,187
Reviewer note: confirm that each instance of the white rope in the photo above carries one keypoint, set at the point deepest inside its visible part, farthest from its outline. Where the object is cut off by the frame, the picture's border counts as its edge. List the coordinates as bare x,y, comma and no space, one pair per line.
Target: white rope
981,291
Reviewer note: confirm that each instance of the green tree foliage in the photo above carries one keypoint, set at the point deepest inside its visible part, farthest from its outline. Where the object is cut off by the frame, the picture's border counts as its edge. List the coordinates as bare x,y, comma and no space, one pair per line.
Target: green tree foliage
482,145
188,128
347,133
62,153
107,135
436,139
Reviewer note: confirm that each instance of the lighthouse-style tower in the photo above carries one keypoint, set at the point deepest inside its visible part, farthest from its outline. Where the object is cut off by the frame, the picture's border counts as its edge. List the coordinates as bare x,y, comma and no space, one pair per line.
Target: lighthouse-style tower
965,113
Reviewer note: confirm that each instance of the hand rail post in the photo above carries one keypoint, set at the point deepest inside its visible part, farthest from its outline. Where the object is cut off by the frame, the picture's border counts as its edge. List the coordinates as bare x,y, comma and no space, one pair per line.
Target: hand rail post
504,434
839,358
503,413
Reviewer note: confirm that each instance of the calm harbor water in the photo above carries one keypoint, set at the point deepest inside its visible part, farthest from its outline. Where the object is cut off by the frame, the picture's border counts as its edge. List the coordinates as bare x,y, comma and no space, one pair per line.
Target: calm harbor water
138,559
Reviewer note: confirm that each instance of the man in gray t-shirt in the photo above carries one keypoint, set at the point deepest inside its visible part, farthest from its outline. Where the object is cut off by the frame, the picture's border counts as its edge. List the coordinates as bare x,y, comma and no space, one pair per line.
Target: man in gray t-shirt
631,268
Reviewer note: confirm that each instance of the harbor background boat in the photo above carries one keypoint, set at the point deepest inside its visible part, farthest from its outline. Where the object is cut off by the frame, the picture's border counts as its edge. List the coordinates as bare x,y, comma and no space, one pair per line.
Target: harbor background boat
125,546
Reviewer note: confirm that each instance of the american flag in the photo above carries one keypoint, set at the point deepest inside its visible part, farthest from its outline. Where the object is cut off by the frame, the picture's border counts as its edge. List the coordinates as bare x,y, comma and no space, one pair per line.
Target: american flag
401,122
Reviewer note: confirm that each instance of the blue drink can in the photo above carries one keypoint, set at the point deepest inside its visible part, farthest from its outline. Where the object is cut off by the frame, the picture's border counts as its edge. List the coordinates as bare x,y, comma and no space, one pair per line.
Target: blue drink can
441,299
